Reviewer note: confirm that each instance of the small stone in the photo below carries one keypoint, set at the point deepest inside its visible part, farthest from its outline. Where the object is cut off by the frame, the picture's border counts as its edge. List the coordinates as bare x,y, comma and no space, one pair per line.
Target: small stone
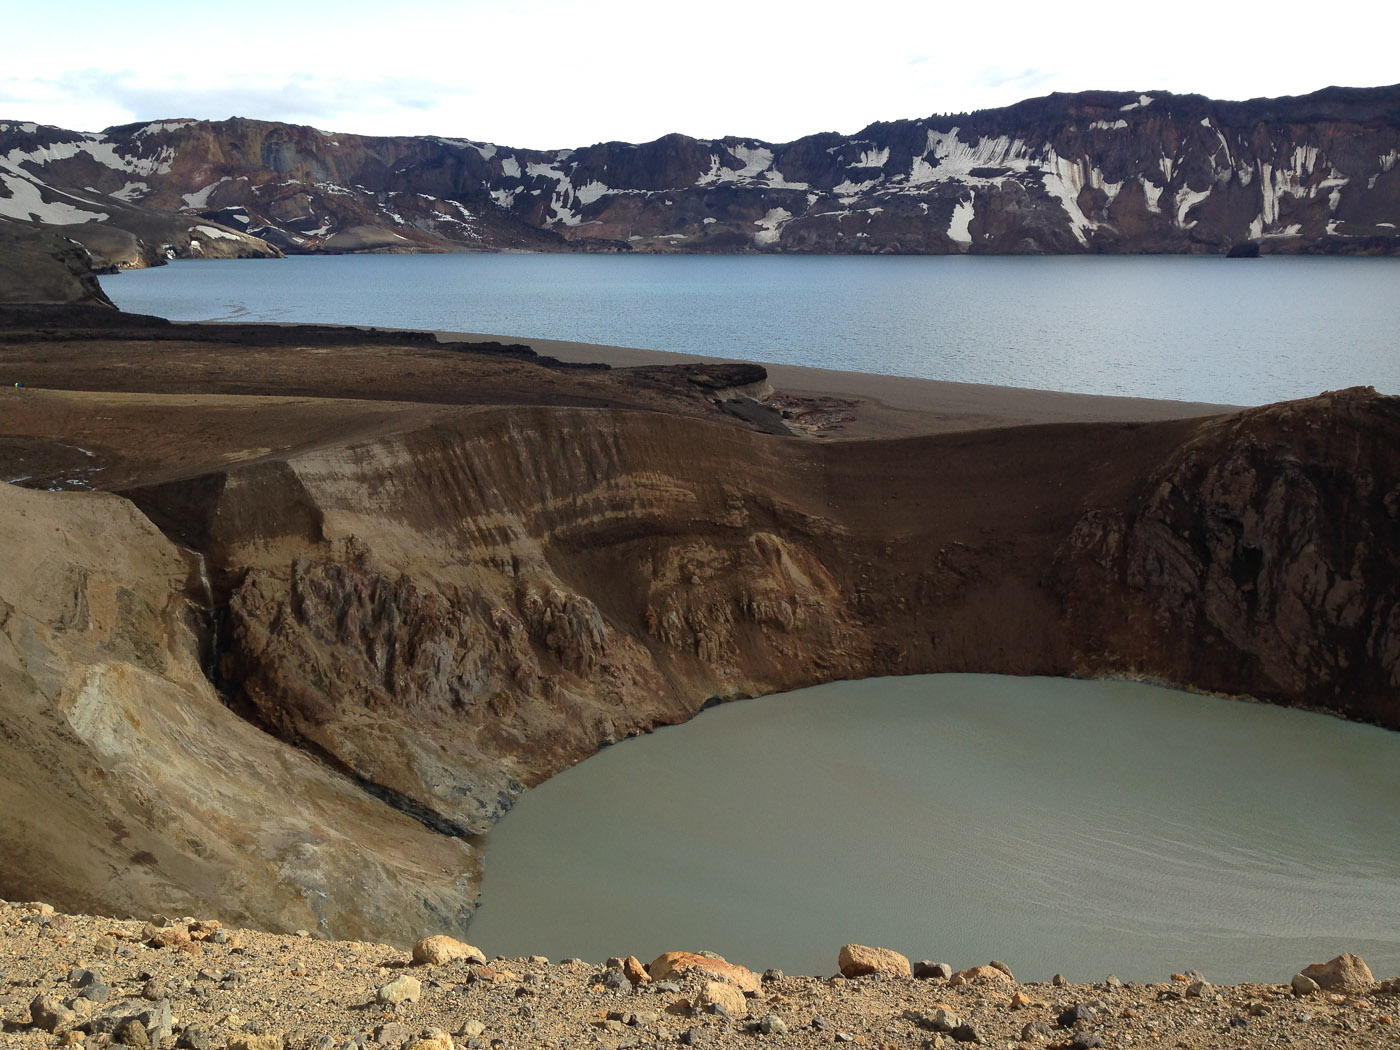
666,987
858,960
72,1038
40,907
692,1037
403,989
132,1033
471,1029
1086,1040
391,1033
1059,980
926,970
1112,982
80,977
1345,973
441,950
1074,1014
772,1024
255,1042
616,981
1199,990
193,1038
97,993
48,1014
1020,1000
772,974
943,1020
966,1033
1304,985
1033,1030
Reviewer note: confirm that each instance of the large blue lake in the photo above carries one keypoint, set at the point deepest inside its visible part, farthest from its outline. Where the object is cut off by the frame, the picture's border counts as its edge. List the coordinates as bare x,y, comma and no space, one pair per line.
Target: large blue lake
1184,328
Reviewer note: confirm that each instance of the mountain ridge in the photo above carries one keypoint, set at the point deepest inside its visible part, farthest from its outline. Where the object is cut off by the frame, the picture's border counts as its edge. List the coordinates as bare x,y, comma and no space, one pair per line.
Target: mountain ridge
1093,171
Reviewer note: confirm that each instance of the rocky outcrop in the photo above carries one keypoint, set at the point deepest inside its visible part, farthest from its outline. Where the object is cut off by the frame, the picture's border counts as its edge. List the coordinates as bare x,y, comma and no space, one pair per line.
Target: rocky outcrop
129,786
1260,558
1087,172
40,266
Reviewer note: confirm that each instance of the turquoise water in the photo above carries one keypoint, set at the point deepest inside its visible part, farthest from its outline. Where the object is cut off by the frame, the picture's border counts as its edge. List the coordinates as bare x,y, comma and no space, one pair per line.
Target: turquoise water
1063,826
1184,328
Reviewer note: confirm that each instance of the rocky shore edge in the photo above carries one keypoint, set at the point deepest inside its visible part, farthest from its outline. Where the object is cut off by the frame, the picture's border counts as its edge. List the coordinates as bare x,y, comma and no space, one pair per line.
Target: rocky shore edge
191,984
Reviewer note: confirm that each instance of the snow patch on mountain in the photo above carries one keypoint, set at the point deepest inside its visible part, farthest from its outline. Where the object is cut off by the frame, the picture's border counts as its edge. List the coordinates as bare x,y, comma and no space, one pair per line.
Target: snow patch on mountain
959,226
25,202
771,226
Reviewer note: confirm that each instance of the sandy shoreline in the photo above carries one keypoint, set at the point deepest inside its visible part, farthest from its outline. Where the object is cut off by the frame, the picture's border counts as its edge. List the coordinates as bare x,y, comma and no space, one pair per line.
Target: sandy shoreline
897,406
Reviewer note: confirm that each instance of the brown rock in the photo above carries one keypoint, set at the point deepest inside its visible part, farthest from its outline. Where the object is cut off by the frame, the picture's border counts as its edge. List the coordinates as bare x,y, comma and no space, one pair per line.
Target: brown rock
48,1014
635,971
990,972
1345,973
668,964
857,960
170,937
441,949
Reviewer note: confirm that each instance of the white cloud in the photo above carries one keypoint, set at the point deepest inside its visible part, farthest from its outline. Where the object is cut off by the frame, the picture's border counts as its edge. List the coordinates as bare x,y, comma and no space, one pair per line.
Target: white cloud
550,73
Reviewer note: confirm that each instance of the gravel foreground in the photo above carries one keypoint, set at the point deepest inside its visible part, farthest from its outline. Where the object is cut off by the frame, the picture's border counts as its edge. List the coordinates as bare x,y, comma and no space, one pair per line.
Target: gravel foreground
90,981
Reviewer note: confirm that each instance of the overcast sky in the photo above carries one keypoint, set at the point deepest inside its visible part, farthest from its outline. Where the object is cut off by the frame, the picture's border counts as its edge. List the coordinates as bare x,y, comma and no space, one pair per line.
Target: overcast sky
560,73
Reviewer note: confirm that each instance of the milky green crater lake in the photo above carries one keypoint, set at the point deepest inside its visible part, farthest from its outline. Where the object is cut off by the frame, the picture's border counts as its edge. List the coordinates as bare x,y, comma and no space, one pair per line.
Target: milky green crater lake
1063,826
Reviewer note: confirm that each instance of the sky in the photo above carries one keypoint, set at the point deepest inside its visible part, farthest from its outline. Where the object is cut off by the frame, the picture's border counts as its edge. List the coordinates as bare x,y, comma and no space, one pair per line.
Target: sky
554,74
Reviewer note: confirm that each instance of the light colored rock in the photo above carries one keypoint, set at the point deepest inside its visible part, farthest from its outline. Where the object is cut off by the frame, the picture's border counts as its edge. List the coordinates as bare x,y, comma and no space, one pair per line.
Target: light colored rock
1345,973
255,1042
721,993
857,960
441,949
772,1024
403,989
668,964
635,971
988,972
943,1019
48,1014
471,1029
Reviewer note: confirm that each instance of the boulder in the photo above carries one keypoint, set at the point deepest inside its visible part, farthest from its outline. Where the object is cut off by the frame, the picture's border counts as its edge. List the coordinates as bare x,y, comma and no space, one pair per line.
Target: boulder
669,964
441,949
1345,973
400,990
992,971
721,993
857,960
634,970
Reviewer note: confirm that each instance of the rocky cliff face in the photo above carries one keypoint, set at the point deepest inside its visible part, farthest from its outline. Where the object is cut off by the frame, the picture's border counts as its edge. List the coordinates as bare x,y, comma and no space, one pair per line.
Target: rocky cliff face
1272,537
1091,172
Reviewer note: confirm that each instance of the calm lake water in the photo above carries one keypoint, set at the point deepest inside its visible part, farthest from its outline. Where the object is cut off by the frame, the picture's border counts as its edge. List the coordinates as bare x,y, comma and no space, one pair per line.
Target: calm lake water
1081,827
1185,328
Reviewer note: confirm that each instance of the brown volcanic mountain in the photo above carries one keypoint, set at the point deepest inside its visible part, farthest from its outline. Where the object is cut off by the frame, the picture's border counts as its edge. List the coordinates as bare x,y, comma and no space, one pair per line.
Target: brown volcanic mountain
325,570
1089,172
